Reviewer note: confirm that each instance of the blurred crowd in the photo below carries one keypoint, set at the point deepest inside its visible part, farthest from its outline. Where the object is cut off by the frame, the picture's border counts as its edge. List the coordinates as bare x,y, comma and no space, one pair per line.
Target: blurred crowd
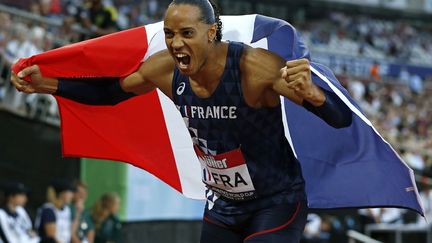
360,35
402,113
63,218
98,17
65,22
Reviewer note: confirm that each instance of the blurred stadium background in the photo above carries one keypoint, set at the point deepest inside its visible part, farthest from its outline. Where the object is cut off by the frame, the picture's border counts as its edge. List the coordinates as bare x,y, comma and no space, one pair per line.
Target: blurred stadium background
381,50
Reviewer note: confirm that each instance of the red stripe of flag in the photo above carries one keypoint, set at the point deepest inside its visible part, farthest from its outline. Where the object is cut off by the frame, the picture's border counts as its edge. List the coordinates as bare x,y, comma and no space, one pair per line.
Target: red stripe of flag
133,131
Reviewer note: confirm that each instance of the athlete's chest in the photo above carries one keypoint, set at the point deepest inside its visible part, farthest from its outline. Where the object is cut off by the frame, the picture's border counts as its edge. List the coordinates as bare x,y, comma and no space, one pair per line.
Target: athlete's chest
205,89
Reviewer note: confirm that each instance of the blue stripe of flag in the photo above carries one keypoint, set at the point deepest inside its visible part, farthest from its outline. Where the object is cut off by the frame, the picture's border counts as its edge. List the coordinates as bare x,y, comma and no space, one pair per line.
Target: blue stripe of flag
348,167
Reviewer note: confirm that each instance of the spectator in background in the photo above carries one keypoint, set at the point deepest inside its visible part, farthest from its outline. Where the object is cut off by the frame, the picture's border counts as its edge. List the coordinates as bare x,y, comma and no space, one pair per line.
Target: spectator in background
153,7
107,223
15,224
316,230
20,45
416,84
357,90
54,220
391,215
374,72
414,159
82,226
50,8
368,216
101,19
75,12
426,197
5,26
404,76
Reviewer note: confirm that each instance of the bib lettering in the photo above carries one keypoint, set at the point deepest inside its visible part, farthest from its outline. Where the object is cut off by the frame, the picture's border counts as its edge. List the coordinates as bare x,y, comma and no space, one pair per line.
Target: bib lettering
227,174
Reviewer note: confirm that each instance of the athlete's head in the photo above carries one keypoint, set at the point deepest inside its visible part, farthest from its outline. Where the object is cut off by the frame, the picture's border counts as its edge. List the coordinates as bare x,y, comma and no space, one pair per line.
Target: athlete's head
108,204
15,194
191,28
60,192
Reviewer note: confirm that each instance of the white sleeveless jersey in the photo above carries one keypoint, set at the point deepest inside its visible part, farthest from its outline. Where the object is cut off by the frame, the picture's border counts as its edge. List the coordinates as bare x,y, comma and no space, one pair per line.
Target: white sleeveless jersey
17,229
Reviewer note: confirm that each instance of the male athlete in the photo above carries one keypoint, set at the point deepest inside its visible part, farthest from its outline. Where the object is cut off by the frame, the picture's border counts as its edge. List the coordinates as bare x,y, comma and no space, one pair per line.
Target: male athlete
229,96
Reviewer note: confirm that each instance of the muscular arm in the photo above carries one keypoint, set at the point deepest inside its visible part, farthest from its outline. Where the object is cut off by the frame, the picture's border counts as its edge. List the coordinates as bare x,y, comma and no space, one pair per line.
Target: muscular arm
266,76
50,230
91,236
93,91
48,223
155,72
263,70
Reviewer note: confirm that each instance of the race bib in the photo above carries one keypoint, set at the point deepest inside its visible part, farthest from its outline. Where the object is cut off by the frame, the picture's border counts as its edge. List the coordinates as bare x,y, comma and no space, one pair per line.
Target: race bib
227,174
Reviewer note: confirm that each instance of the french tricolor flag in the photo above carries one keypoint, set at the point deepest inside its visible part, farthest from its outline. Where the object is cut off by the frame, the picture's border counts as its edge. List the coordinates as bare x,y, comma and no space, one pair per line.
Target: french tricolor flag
348,167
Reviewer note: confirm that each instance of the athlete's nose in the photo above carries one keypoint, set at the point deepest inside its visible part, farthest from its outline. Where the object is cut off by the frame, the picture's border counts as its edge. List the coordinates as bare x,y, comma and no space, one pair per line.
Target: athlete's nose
177,43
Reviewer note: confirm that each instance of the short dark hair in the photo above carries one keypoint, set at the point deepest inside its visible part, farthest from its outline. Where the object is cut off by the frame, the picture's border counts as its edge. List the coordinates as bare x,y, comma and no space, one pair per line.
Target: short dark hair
12,188
210,13
61,185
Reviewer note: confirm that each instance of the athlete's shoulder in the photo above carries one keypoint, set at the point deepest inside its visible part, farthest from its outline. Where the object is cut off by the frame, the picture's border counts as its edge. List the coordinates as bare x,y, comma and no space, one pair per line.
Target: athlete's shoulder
160,54
256,55
158,66
159,70
160,60
47,208
259,63
21,211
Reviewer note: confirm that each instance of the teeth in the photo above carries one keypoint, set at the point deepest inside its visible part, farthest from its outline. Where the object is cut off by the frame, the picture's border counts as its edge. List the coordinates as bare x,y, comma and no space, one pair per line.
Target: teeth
182,65
180,55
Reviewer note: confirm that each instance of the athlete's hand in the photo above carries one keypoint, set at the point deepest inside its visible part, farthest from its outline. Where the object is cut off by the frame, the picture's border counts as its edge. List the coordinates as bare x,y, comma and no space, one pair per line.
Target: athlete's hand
38,83
297,74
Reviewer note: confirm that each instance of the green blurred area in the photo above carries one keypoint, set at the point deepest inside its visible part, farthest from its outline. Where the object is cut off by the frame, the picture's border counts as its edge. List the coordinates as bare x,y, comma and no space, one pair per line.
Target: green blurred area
103,176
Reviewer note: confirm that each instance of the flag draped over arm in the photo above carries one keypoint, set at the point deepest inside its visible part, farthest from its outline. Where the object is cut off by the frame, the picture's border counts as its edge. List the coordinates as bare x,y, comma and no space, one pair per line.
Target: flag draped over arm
348,167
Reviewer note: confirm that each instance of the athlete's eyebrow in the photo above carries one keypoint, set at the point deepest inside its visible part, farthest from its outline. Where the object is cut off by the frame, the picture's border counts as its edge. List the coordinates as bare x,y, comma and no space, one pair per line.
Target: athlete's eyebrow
187,28
182,29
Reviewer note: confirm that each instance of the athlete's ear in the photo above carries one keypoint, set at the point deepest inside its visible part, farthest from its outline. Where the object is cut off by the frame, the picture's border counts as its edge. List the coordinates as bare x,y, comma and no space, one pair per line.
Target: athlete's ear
212,32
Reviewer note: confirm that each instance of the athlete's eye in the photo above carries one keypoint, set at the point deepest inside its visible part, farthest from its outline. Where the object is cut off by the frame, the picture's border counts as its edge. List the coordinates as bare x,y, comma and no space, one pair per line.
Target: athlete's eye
169,34
188,33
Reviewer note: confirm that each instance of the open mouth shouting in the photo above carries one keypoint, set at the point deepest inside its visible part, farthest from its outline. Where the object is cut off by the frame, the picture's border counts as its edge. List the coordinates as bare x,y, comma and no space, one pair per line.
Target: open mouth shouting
183,61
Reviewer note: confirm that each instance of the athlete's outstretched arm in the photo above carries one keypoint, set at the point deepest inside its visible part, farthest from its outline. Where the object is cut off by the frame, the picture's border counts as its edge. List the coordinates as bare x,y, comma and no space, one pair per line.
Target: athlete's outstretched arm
293,80
94,91
100,91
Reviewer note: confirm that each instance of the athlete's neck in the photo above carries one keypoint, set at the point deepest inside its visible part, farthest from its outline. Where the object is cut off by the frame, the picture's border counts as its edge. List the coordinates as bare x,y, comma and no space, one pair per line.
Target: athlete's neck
11,207
59,204
213,68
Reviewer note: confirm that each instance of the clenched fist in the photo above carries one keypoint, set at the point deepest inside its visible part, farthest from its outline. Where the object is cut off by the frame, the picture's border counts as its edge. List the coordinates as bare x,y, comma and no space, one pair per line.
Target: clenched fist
297,74
38,83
